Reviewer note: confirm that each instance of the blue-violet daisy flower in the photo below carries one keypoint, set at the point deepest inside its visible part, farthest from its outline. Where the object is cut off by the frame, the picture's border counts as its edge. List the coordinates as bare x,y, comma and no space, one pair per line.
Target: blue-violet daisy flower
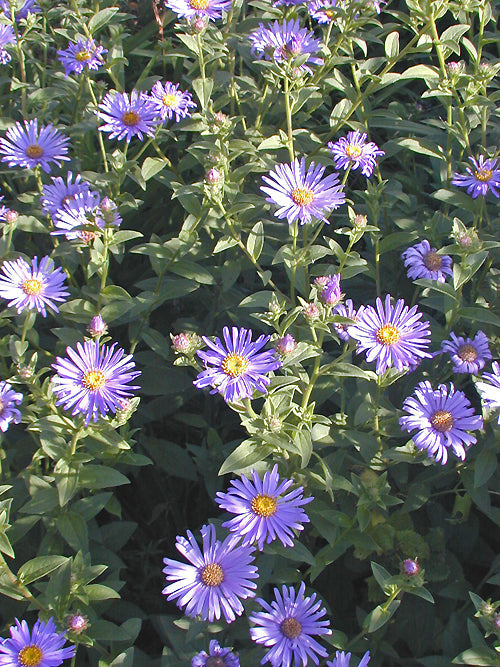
355,152
489,388
61,191
441,418
169,101
80,217
93,379
24,145
33,286
212,9
127,116
422,261
7,36
288,626
8,399
216,579
485,176
468,355
330,293
29,7
236,369
345,310
263,513
322,10
85,53
391,335
216,657
42,647
303,196
344,660
285,41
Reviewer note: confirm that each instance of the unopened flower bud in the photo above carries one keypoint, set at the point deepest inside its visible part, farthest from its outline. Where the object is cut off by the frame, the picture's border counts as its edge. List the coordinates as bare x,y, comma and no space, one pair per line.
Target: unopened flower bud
321,282
26,372
487,609
199,24
219,120
181,343
410,567
359,221
97,327
213,176
274,424
453,67
78,623
109,212
286,345
311,311
11,216
331,294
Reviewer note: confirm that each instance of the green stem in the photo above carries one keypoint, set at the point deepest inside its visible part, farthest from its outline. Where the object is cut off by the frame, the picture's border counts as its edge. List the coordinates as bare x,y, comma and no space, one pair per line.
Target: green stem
377,265
99,134
105,268
248,404
289,126
314,375
294,229
20,57
25,327
201,59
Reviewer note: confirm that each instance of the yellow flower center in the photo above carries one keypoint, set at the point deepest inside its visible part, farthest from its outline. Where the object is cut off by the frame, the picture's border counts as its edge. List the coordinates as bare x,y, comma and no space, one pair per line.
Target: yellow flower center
234,365
329,13
353,151
130,118
199,4
169,100
467,352
212,575
291,628
34,151
30,656
432,261
442,421
32,287
263,505
83,56
94,380
483,174
388,334
302,196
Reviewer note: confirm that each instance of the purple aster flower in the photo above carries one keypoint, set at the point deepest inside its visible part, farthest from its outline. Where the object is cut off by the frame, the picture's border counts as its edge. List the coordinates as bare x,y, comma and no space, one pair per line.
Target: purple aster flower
345,310
344,659
80,217
468,355
263,513
286,344
93,379
216,657
42,647
288,625
26,146
322,10
392,335
489,388
422,261
441,418
355,152
212,9
216,579
125,116
286,41
3,210
302,195
29,7
8,399
33,286
410,567
287,3
238,368
7,36
485,176
108,215
55,196
97,327
170,101
330,294
85,53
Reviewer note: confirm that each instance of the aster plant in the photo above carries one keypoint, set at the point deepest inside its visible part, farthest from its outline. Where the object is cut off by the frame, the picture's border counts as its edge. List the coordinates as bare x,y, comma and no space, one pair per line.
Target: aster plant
215,579
216,657
484,177
191,9
264,512
355,152
467,354
40,647
422,261
55,196
171,102
126,116
27,145
441,419
85,53
7,36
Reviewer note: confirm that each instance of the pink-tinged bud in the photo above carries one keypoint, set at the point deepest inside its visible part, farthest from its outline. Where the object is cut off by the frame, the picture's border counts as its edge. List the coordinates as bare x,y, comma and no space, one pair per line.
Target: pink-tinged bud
199,24
410,567
11,216
26,372
360,221
286,345
274,424
78,623
213,176
97,327
453,67
311,311
321,282
181,343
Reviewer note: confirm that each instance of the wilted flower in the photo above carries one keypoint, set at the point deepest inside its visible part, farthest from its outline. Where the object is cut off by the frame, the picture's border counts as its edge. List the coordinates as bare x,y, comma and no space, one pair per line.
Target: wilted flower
355,152
391,335
263,513
42,647
238,368
126,116
489,388
33,287
97,327
286,344
212,9
285,41
169,101
24,145
303,196
7,36
410,567
485,176
8,413
288,626
442,418
216,579
85,53
216,657
344,660
468,355
422,261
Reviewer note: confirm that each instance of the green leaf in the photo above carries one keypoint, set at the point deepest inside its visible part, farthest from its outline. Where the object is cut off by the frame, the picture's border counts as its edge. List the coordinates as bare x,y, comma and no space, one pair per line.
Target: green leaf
442,288
381,574
74,530
39,567
193,271
303,442
484,467
422,592
152,166
247,454
255,240
477,314
422,147
379,616
101,477
100,19
391,45
100,592
477,656
203,89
